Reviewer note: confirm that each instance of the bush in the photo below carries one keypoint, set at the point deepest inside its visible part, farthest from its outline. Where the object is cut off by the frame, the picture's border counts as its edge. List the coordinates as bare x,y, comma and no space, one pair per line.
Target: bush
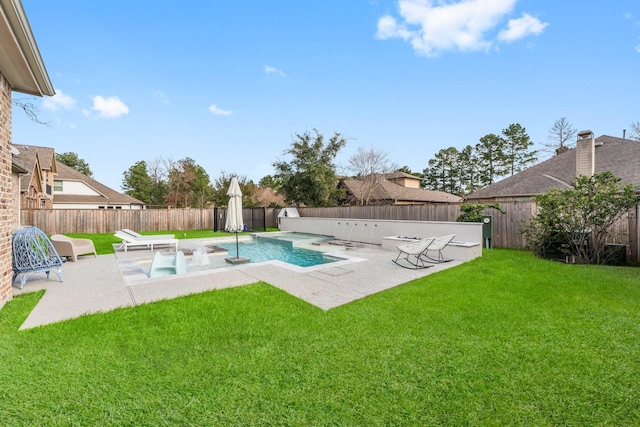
582,217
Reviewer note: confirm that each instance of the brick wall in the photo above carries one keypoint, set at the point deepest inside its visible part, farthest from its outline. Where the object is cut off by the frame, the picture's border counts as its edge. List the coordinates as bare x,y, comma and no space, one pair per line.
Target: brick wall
8,205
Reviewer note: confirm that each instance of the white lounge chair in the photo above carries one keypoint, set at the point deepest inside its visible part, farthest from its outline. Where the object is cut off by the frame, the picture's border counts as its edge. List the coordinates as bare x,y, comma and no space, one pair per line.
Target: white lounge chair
148,236
72,247
438,244
129,241
411,254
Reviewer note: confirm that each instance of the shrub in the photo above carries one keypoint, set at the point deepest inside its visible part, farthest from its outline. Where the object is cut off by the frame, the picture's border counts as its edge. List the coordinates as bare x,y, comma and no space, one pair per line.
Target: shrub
582,216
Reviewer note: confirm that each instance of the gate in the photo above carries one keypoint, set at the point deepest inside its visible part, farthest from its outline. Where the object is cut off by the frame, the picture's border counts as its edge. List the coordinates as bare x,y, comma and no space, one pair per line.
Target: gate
255,219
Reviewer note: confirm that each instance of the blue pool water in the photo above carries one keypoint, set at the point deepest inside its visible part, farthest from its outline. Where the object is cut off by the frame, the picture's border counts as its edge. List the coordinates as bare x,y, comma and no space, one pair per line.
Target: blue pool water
260,250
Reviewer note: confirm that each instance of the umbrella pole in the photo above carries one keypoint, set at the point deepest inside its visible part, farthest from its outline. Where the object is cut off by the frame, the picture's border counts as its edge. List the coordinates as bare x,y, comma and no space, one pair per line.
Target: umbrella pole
237,250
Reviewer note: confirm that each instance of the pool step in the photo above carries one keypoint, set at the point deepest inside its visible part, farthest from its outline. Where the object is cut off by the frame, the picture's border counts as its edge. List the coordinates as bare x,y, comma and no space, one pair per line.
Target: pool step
164,264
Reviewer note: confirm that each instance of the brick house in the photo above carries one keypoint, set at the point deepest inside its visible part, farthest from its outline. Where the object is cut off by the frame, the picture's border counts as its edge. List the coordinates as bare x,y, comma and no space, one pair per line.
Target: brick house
21,70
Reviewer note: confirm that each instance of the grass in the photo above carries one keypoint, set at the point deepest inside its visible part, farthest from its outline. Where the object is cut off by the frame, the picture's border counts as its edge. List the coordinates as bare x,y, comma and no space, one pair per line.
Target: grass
104,242
506,339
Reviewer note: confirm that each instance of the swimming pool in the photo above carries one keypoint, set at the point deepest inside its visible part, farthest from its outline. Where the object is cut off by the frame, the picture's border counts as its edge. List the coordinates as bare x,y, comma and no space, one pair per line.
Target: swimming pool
276,248
283,247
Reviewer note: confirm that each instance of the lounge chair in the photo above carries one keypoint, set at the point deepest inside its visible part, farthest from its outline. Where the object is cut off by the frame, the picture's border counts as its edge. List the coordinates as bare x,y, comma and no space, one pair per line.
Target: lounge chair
129,241
72,247
436,247
410,254
148,236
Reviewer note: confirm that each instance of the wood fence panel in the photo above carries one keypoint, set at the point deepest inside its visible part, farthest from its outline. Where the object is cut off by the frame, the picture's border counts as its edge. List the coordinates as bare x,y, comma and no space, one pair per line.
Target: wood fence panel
506,227
63,221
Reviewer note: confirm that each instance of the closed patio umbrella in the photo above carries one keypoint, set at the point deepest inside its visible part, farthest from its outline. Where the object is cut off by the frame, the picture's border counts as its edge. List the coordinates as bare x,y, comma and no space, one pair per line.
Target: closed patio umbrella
234,222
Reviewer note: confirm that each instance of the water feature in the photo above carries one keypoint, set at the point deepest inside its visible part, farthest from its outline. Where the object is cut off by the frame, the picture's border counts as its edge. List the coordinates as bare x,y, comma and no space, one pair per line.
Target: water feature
371,235
200,257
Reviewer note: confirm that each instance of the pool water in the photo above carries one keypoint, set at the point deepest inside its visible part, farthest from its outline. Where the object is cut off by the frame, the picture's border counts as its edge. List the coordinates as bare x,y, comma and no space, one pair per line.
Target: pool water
260,250
294,237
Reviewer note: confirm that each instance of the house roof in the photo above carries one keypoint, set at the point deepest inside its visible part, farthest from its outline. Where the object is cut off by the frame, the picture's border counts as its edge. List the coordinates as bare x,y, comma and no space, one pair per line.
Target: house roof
20,60
28,157
106,196
389,190
617,155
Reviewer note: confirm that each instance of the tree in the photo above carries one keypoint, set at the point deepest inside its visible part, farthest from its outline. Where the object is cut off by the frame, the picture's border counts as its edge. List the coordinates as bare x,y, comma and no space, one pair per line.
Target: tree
635,130
562,134
581,216
310,177
137,183
470,173
27,105
221,186
443,173
158,170
368,166
473,212
517,143
188,185
72,160
271,182
491,161
407,169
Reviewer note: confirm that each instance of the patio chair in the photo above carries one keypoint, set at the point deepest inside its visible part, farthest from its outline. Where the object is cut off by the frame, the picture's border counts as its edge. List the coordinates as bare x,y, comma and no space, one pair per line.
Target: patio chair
410,254
437,245
146,236
33,252
72,247
128,241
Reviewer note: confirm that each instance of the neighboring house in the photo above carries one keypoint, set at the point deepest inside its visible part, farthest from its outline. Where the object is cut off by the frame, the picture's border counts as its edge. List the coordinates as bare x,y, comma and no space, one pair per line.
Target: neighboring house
49,184
619,156
36,186
21,70
397,188
74,190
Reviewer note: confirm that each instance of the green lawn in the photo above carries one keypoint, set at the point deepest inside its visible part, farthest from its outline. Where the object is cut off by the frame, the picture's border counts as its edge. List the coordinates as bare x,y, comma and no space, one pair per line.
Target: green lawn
506,339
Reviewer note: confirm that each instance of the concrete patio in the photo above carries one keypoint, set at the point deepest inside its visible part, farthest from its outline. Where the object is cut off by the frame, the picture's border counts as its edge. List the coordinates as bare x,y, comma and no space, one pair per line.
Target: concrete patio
107,282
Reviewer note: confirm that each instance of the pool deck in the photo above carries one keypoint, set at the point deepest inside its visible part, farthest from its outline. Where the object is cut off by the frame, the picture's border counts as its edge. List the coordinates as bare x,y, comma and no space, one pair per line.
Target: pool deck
107,282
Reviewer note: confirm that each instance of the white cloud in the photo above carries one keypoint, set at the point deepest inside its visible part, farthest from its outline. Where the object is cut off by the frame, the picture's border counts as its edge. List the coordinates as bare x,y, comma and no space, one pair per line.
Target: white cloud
219,111
522,27
58,101
435,26
268,69
107,108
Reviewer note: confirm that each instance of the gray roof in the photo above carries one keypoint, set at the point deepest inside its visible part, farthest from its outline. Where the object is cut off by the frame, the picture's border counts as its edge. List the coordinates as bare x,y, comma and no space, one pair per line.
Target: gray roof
617,155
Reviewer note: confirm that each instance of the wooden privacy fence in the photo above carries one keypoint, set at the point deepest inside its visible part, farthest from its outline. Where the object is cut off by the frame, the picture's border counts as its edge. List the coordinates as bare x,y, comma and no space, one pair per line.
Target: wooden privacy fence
61,221
506,227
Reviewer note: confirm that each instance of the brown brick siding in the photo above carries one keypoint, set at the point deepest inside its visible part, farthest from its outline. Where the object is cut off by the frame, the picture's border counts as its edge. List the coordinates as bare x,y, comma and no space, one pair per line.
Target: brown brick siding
8,202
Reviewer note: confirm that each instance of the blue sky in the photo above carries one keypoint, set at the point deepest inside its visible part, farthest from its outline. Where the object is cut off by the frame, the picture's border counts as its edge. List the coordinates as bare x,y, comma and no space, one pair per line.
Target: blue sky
229,84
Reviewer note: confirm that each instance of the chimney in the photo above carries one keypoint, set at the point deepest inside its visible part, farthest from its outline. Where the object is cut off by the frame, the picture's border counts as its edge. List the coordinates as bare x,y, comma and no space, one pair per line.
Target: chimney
585,153
624,133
